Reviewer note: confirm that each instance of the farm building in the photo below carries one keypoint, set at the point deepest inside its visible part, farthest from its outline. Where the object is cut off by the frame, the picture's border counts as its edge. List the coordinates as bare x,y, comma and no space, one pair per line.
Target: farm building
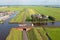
40,19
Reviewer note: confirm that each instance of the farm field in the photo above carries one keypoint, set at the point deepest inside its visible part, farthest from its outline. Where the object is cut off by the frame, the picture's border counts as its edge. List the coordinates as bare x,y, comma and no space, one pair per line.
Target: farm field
37,33
54,33
55,12
33,35
22,16
11,8
28,11
41,31
15,35
19,18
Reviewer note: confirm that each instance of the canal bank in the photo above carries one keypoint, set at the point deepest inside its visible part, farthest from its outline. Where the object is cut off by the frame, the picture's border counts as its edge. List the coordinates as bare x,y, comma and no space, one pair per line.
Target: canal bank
5,27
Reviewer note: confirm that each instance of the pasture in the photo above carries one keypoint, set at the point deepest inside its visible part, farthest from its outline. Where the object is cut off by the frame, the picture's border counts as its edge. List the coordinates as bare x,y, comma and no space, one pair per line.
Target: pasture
36,33
27,11
54,33
14,35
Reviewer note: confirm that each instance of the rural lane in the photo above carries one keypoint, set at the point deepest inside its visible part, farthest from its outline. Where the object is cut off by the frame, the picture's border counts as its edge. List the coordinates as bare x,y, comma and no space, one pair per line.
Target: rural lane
25,35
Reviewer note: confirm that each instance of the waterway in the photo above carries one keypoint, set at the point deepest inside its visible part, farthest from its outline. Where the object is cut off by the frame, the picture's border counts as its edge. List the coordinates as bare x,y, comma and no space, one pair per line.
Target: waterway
6,27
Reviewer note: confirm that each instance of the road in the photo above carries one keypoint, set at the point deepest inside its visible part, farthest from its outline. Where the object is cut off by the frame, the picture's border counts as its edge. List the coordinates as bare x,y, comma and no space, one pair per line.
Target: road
25,35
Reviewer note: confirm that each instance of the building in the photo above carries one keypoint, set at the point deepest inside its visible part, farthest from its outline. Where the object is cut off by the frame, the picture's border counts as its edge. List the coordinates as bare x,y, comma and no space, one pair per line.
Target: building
5,14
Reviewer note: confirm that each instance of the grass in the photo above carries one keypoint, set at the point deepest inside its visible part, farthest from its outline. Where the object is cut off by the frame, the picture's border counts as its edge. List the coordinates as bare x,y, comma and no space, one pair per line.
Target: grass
29,10
18,18
29,13
33,35
11,8
54,33
55,12
14,35
42,33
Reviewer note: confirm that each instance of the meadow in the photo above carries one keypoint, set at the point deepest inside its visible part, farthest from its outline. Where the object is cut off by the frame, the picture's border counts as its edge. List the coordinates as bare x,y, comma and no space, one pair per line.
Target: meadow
33,34
55,12
15,35
54,33
27,11
36,33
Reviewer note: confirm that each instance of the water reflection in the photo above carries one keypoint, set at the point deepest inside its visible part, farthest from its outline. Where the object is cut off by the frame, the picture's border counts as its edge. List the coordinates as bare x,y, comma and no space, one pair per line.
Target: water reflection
54,24
6,27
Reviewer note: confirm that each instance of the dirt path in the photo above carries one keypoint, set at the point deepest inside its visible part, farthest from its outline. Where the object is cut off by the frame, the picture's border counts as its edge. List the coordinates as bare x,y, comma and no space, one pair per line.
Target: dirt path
25,35
24,16
49,38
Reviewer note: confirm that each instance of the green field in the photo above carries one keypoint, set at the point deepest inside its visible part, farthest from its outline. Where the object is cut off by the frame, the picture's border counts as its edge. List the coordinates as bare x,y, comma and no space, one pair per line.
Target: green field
29,10
22,16
14,35
18,19
11,8
33,35
42,33
37,33
54,33
55,12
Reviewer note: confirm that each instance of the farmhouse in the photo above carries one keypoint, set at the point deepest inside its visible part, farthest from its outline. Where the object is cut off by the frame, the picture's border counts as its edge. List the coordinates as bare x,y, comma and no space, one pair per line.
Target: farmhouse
40,19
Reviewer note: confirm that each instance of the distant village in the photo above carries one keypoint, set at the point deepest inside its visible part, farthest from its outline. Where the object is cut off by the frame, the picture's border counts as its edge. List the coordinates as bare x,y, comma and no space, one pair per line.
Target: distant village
5,15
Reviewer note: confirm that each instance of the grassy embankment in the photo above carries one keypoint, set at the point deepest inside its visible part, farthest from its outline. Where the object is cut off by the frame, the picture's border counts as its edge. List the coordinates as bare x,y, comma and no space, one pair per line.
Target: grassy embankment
10,9
25,15
33,34
29,13
15,35
42,33
19,18
54,33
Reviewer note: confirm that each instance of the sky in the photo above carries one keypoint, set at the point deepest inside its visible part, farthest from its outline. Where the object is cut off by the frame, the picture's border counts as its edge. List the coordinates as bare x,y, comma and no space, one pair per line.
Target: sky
29,2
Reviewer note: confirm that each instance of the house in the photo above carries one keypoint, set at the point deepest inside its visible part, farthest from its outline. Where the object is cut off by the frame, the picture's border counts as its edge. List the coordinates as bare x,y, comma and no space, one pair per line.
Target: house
5,14
4,17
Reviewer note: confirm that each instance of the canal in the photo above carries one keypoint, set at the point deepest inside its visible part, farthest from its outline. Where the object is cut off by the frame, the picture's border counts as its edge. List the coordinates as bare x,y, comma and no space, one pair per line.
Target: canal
5,27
